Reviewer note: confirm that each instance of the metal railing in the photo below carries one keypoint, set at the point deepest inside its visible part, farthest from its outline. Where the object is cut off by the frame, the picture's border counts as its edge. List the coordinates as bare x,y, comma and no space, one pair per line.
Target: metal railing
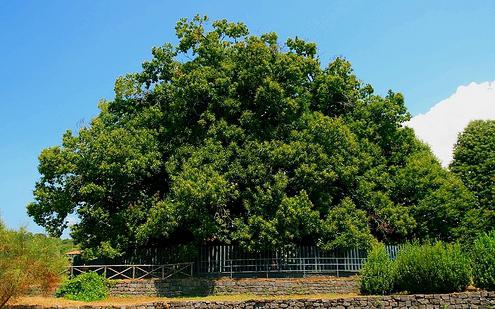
135,271
229,260
305,266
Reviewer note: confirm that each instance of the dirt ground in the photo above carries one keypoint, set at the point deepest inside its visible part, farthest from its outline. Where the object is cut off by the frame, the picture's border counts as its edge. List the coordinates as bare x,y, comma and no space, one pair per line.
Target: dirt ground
115,301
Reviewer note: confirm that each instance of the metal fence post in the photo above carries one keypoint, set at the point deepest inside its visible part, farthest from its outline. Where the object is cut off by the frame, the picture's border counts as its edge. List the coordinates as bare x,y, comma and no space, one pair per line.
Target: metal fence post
303,263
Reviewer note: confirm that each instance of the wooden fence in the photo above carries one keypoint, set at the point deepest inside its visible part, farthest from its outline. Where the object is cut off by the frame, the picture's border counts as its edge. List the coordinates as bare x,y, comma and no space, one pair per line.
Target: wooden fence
135,271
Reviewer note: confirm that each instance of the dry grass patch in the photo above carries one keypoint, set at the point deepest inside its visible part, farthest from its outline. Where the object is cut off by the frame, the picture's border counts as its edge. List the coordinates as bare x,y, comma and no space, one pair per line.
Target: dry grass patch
112,301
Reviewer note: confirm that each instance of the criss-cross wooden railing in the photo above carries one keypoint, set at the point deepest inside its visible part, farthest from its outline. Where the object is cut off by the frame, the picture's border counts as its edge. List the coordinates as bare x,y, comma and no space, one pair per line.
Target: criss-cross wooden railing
135,271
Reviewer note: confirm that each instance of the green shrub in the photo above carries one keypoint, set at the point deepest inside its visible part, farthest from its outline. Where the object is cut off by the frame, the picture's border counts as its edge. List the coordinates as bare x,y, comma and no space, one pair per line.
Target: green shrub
432,268
378,272
28,260
86,287
483,261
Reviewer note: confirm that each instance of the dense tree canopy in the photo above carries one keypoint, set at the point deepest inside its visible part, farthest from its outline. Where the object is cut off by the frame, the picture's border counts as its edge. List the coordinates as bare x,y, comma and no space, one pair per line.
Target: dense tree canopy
235,138
474,163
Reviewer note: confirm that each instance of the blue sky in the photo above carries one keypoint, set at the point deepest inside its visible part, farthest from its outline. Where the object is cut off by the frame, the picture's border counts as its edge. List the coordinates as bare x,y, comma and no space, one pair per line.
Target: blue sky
58,58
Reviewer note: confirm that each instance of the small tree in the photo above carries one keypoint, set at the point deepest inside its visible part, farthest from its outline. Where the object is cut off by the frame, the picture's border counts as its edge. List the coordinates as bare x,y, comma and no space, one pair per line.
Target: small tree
26,261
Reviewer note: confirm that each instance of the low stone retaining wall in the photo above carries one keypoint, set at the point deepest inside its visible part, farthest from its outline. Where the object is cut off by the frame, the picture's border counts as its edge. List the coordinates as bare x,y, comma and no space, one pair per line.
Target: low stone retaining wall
456,300
228,286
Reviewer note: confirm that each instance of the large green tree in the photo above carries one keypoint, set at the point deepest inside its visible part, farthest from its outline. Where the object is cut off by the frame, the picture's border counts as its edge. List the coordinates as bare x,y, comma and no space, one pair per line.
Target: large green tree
236,138
474,163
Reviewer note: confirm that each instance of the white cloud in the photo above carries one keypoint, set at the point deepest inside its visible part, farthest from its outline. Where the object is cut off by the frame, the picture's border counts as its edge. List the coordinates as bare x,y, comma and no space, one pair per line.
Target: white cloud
440,126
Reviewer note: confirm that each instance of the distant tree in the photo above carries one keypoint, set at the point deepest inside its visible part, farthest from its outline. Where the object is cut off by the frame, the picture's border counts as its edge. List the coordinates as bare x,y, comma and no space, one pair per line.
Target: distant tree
28,261
474,163
231,138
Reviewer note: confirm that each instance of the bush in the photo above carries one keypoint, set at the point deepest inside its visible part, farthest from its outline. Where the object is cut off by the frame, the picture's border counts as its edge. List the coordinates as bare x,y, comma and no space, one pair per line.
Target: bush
483,261
28,260
432,268
86,287
378,272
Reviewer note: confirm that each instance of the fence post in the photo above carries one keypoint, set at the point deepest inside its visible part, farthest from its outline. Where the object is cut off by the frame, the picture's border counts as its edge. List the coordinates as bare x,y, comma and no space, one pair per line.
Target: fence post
303,263
209,257
266,269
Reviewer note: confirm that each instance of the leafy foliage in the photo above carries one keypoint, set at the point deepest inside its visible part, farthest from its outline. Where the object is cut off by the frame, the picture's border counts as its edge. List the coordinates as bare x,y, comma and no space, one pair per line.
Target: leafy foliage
378,275
474,163
431,268
233,138
86,287
27,261
483,261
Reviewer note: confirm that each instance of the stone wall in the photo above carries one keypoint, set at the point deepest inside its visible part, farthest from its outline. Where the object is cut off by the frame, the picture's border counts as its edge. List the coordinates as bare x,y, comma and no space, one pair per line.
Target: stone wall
228,286
456,300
